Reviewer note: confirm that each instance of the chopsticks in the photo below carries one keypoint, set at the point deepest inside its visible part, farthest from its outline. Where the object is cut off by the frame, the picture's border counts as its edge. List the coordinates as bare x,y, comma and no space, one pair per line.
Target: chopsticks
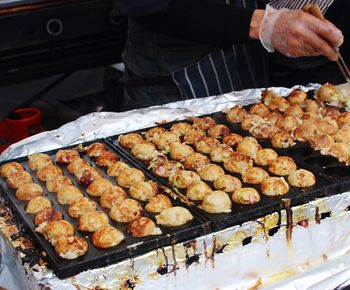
315,10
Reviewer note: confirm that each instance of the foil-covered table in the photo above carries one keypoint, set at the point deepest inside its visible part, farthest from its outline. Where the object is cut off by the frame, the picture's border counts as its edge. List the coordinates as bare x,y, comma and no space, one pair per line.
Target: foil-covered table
305,247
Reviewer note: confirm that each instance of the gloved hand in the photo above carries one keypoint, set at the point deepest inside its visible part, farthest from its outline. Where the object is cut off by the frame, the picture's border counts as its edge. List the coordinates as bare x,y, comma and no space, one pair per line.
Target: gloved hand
296,33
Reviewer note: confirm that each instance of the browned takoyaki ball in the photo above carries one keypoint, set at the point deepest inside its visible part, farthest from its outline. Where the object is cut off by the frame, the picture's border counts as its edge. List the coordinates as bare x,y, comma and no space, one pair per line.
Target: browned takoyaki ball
174,216
153,134
144,150
207,144
251,121
227,183
57,230
193,136
264,131
180,151
322,142
49,172
28,191
126,211
221,153
129,176
165,139
37,204
183,178
55,184
203,123
91,221
67,156
195,161
210,172
219,131
216,202
278,104
38,161
67,194
287,123
143,190
282,166
274,186
112,196
8,169
158,203
47,215
18,179
297,97
198,190
273,117
246,195
87,175
312,106
71,248
76,165
249,146
330,112
130,140
254,175
341,151
232,140
267,95
328,93
81,206
282,140
142,227
327,125
296,111
180,129
344,120
116,168
106,159
343,135
259,109
236,114
107,237
164,168
301,178
305,132
238,162
97,187
95,149
265,157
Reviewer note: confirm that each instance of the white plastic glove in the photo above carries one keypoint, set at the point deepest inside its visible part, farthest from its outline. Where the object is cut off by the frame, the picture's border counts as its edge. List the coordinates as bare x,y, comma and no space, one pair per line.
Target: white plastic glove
296,33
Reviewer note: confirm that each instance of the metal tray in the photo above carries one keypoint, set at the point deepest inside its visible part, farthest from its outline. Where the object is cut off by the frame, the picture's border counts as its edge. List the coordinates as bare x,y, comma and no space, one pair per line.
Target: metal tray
96,257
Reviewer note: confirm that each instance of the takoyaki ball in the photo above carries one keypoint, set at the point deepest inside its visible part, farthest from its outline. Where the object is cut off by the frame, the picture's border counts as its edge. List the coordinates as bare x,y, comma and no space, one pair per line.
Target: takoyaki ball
249,147
10,168
341,151
55,184
232,140
116,168
143,150
305,132
56,230
67,156
19,178
327,125
49,172
312,118
246,195
254,175
143,190
282,140
216,202
129,176
207,144
282,166
81,206
46,216
28,191
87,175
112,196
67,194
164,168
301,178
126,211
180,129
287,123
236,114
343,135
183,178
174,216
91,221
158,203
297,97
106,159
95,149
259,109
204,123
165,139
274,186
278,104
219,131
193,136
99,186
195,161
71,248
273,117
76,165
311,106
143,227
180,151
267,95
38,161
153,134
328,93
295,110
322,142
130,140
344,120
107,237
221,153
251,121
210,172
264,131
227,183
330,112
198,190
238,162
265,157
37,204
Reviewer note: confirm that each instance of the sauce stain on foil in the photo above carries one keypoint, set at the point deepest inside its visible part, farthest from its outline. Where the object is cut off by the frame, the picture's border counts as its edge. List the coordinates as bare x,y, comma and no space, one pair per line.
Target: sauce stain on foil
317,216
289,212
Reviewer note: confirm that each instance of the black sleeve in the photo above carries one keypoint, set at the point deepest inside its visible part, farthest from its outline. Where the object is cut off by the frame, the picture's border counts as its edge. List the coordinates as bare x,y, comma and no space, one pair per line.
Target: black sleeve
201,21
